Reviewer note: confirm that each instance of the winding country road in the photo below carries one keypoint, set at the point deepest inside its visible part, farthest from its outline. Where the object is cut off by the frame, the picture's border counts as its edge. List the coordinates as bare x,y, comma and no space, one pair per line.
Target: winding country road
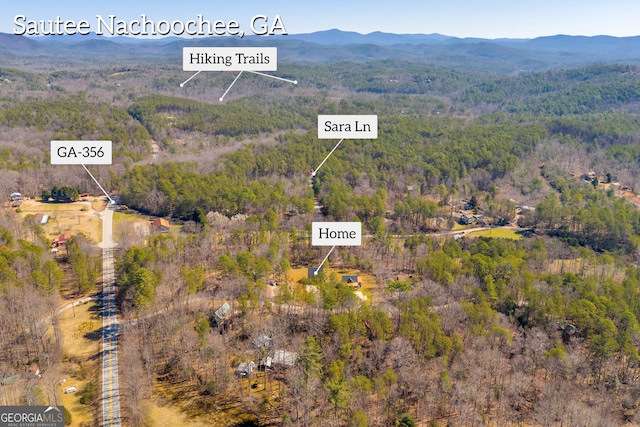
110,396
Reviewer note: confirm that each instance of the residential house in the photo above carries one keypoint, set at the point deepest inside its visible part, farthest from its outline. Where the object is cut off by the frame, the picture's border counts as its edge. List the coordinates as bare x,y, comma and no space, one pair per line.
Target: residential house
351,280
222,317
245,368
262,341
62,239
311,272
468,219
41,218
284,358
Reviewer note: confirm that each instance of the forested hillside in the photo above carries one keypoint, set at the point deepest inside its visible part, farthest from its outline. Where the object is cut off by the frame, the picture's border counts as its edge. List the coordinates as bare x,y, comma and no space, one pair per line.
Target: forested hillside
498,282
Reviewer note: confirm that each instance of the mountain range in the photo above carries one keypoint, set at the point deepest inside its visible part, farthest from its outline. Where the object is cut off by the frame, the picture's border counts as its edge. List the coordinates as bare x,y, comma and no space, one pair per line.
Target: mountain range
336,45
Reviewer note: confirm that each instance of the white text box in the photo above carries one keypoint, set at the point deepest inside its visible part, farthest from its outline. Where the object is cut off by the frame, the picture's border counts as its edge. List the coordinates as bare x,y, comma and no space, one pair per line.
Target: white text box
229,59
348,126
336,233
81,153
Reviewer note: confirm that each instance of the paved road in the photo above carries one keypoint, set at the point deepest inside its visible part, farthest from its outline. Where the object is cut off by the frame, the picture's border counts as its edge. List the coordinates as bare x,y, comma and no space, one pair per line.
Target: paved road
110,384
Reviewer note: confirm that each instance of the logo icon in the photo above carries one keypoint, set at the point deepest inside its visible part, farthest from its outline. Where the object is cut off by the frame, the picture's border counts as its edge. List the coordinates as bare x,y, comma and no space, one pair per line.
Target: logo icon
31,416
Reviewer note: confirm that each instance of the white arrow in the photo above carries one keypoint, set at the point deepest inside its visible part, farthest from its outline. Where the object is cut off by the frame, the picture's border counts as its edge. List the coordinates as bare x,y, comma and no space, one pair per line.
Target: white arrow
315,273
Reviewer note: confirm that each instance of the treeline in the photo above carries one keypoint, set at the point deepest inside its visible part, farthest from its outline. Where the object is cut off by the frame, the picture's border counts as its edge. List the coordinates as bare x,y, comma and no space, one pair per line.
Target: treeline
411,155
179,190
76,117
85,261
60,194
585,215
613,130
425,152
598,88
29,284
160,113
389,77
32,282
31,80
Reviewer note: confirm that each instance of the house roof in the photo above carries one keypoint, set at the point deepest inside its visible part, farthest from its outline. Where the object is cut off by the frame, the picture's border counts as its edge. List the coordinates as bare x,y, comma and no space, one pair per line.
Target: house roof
312,270
284,357
246,367
262,341
223,311
161,222
62,238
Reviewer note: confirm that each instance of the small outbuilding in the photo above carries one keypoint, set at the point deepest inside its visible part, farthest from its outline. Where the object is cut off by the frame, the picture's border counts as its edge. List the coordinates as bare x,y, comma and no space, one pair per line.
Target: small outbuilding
160,225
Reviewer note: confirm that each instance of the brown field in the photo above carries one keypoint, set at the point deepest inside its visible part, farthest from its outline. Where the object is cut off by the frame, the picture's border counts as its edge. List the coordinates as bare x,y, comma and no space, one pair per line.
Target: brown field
80,346
72,218
180,404
161,414
130,228
370,290
296,274
581,266
498,233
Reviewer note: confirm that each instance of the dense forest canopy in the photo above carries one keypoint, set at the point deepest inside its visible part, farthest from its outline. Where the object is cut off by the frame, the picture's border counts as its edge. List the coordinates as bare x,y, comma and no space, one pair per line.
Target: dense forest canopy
534,322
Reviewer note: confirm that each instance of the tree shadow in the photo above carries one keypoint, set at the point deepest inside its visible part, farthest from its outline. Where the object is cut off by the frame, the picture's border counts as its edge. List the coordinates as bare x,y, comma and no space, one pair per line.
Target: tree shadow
248,423
96,308
93,335
103,332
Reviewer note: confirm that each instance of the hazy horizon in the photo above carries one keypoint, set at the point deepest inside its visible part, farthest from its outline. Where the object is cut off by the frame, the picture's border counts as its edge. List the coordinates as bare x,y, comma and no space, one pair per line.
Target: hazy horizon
341,30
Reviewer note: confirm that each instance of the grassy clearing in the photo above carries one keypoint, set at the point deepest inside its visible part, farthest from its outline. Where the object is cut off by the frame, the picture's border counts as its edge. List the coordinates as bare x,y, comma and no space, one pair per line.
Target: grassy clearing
81,337
370,289
72,218
163,415
130,228
32,206
296,274
178,404
499,233
457,226
98,204
583,266
120,218
75,224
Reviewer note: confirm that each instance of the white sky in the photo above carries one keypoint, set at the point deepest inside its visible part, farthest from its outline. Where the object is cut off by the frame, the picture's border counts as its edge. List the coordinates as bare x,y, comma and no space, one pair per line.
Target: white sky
462,18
